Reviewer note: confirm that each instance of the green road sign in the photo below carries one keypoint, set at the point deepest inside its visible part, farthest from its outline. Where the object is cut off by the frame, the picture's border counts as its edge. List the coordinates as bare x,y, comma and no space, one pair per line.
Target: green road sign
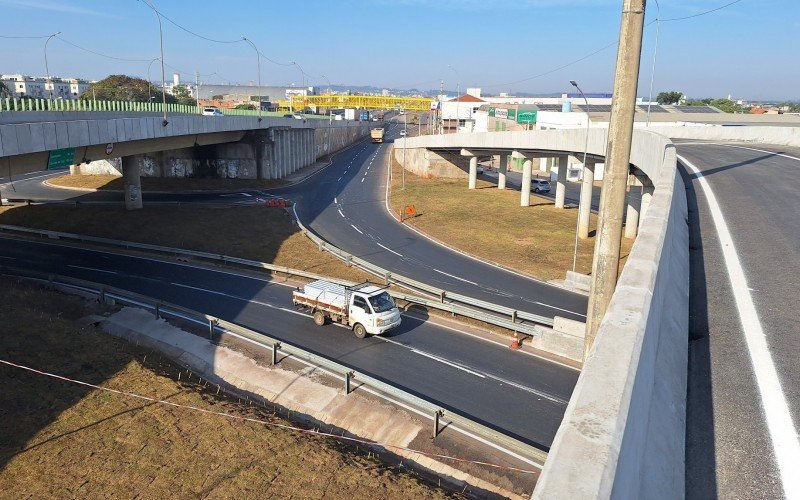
527,116
61,158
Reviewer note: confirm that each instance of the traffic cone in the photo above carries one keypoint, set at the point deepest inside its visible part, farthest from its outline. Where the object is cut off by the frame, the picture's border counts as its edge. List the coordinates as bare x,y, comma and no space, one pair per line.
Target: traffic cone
515,342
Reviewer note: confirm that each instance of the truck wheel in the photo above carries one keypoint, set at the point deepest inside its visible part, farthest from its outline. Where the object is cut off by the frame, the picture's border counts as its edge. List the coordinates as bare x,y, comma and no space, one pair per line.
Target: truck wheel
360,331
319,318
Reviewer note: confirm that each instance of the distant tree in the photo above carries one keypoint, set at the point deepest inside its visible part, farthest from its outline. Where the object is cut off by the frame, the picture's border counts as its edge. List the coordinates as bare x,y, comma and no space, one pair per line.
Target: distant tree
183,95
4,91
124,88
671,97
245,106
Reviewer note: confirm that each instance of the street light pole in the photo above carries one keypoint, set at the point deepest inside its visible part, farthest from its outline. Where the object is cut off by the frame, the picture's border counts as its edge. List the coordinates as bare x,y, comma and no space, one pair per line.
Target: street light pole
163,71
405,137
303,83
330,108
258,66
47,68
653,70
458,95
149,81
583,172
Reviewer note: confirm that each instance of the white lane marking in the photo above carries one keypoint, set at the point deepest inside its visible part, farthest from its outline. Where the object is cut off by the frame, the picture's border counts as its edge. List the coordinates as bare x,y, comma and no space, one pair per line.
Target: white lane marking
340,212
362,179
389,249
739,147
339,179
456,277
228,195
560,309
92,269
357,229
785,442
335,200
252,301
434,357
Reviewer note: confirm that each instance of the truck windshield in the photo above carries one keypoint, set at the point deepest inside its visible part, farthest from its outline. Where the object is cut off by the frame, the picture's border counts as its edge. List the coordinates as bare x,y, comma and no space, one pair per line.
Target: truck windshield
381,303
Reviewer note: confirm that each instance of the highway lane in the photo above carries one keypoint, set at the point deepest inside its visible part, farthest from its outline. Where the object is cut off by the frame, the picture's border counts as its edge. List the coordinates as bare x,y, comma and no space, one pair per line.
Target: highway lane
345,205
520,394
733,418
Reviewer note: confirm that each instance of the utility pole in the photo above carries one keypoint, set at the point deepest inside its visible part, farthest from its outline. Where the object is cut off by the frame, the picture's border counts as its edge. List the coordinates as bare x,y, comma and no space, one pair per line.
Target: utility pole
441,105
197,89
618,151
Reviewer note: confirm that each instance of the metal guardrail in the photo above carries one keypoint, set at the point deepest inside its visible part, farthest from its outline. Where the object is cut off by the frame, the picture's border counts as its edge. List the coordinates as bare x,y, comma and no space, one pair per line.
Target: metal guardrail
215,325
390,277
437,303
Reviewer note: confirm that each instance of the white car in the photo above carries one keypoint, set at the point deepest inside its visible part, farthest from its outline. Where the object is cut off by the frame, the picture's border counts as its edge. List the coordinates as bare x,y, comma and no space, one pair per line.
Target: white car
212,111
540,186
403,133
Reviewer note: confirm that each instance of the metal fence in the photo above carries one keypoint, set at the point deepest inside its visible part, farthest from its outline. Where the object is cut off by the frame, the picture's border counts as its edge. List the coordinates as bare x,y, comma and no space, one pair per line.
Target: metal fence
41,104
443,418
504,317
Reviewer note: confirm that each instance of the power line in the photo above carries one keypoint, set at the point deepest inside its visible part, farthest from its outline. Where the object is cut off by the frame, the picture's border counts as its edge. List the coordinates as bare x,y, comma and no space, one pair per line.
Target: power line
24,36
101,54
701,13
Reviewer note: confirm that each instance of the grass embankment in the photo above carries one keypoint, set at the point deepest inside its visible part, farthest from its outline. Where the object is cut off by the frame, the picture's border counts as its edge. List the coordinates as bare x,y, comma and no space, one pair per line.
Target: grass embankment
489,223
258,233
114,183
59,439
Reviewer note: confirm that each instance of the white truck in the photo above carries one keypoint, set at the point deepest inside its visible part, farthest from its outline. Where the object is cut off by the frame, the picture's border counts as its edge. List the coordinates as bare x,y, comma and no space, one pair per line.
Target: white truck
366,308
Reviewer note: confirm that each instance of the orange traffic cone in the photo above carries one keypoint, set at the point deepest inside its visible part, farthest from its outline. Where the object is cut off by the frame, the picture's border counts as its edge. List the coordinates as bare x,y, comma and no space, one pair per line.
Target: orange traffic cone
515,342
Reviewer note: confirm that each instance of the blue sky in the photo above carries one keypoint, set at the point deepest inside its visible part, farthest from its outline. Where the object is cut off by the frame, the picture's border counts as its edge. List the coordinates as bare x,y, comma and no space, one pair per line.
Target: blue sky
747,50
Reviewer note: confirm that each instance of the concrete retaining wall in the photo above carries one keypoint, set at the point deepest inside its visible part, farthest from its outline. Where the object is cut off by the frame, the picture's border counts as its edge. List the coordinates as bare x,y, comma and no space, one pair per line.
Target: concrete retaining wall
623,432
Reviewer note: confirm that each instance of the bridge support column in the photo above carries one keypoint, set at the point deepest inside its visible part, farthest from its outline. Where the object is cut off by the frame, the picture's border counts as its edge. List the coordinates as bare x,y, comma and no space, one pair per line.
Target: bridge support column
525,191
647,195
561,180
633,206
585,207
473,172
132,182
502,170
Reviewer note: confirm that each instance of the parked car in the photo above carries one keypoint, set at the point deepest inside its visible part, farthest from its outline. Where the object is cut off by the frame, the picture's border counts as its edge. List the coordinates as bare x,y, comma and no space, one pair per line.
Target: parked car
212,111
403,133
540,186
298,116
480,169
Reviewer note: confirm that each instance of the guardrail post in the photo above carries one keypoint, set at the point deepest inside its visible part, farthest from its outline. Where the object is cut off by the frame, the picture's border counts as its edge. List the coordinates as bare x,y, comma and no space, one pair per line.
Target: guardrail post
387,277
347,377
212,322
436,415
349,261
157,310
441,296
275,347
513,316
102,296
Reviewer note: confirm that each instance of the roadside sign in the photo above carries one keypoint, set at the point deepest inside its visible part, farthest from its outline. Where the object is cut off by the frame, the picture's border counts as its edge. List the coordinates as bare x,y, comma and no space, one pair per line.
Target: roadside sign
109,148
61,158
527,116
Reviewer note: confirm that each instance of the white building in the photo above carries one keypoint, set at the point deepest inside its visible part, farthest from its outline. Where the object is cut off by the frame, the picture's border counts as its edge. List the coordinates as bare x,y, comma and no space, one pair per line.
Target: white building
459,113
40,87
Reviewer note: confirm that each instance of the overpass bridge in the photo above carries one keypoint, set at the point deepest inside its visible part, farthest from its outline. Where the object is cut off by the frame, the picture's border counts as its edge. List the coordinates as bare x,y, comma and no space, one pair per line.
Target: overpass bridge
357,101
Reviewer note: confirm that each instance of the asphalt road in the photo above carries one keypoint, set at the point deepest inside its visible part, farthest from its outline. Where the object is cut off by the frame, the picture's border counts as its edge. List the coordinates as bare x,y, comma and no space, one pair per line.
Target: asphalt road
730,447
514,392
346,205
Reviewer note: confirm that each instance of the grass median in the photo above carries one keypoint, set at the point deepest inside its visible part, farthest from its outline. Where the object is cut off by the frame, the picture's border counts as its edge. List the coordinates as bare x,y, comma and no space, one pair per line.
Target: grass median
265,234
490,224
62,440
168,184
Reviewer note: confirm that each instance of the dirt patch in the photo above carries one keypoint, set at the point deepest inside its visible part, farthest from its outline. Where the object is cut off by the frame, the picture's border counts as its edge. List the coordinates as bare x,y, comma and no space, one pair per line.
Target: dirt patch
59,439
114,183
489,223
265,234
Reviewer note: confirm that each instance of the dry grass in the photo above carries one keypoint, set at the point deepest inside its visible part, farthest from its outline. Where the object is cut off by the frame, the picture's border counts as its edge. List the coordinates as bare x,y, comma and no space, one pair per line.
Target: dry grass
61,440
258,233
114,183
489,223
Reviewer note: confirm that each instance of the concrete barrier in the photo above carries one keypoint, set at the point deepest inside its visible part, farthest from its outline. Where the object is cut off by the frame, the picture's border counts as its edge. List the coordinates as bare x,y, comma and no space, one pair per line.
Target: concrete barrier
623,432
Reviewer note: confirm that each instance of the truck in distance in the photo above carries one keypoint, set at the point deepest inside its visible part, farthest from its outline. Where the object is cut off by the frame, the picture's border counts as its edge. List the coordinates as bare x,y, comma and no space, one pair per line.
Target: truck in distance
366,308
376,134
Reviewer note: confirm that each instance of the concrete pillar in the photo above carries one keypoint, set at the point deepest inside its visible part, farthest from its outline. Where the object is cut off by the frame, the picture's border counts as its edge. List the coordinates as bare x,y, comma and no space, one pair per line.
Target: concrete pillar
585,207
525,192
632,213
647,195
561,181
132,182
544,164
502,170
473,172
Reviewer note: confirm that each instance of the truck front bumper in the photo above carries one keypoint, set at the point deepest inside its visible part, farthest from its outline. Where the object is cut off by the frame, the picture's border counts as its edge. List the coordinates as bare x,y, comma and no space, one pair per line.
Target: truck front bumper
380,330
